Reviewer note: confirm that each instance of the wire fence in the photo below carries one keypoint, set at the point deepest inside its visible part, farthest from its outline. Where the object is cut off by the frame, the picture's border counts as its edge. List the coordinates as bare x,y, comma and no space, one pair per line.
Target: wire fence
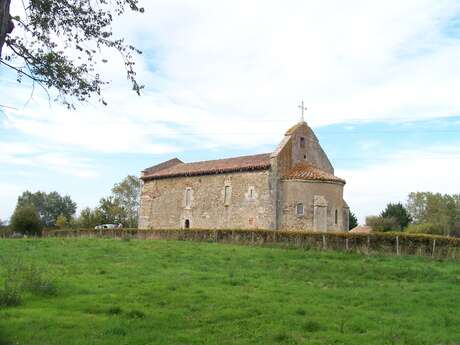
369,244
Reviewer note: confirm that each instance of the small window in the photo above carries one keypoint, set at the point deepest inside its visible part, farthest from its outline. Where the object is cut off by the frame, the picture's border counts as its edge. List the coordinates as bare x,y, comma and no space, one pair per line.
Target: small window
251,193
188,197
336,217
299,209
187,224
302,142
227,195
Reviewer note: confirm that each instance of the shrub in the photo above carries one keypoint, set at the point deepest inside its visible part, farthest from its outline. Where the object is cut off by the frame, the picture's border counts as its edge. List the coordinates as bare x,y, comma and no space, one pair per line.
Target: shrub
383,224
25,220
20,278
61,221
37,282
5,231
10,295
397,212
424,228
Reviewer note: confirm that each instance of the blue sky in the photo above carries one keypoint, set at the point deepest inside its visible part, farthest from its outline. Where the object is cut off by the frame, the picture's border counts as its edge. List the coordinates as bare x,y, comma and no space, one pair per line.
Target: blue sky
224,79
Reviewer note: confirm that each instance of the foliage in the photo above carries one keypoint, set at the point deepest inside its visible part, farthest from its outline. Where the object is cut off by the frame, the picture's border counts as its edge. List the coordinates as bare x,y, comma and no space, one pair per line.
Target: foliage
59,43
88,218
110,211
25,220
61,221
441,210
127,195
10,293
20,277
398,212
49,206
4,229
122,207
383,224
228,294
37,281
424,228
352,221
392,243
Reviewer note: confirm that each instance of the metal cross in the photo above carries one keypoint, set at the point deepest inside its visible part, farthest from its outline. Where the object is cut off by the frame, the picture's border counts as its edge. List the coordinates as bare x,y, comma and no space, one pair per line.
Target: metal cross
302,107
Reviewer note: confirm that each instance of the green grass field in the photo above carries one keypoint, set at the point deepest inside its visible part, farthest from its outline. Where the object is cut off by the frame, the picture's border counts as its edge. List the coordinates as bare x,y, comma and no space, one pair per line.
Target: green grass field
158,292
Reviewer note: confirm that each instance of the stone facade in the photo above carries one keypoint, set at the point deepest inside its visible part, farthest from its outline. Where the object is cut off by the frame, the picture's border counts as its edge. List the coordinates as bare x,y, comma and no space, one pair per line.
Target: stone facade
291,188
218,201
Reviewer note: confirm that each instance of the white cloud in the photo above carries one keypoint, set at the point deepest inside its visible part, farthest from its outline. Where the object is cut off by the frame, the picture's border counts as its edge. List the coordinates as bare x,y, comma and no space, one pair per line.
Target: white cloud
38,157
230,74
210,66
434,169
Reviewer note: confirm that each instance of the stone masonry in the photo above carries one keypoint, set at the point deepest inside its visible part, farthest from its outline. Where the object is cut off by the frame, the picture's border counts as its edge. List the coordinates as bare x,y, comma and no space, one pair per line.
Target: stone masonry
291,188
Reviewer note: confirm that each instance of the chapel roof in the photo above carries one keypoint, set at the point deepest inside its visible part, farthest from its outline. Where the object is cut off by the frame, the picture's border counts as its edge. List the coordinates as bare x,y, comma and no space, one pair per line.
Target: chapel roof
306,171
176,168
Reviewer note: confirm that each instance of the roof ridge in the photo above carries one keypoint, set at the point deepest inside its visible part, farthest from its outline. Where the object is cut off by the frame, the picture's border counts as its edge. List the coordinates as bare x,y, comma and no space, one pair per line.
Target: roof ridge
224,159
233,164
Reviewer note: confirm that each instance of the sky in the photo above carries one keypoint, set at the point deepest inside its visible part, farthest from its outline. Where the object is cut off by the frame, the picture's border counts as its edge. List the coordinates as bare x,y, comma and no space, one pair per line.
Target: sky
224,78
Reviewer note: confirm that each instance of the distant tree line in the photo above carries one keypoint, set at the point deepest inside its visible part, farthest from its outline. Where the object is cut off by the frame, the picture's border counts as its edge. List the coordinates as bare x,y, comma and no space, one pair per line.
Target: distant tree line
39,210
424,212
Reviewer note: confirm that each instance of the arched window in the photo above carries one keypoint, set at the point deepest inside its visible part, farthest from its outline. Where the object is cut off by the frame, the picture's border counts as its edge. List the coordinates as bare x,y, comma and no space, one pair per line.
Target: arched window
227,195
299,209
188,197
187,224
336,217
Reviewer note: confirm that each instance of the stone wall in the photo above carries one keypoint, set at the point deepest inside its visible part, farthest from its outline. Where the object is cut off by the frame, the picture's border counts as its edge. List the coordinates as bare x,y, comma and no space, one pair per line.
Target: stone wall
249,204
317,198
309,150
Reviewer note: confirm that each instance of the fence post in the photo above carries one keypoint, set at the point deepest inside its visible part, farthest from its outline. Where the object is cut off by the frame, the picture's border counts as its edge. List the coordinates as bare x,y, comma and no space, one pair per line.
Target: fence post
324,241
252,237
368,244
434,247
346,244
397,245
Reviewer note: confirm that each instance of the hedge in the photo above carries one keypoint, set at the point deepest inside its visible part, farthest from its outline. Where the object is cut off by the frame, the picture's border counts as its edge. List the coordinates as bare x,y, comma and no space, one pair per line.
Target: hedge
374,243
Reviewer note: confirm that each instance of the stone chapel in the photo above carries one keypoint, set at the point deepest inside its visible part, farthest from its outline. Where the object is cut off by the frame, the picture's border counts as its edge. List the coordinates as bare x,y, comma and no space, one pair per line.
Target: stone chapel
292,188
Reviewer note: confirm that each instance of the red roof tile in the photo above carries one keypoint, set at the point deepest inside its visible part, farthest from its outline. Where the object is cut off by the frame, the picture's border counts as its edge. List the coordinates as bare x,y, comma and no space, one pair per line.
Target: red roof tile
305,171
361,229
177,168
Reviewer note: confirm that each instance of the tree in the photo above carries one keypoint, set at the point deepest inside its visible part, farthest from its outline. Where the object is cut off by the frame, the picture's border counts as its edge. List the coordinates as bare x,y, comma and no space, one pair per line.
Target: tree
440,211
127,195
352,221
26,220
61,221
89,218
398,212
57,43
110,211
48,205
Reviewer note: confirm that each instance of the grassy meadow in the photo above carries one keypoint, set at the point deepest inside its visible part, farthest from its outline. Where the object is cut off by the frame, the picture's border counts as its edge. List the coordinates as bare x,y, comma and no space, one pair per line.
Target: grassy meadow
102,291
